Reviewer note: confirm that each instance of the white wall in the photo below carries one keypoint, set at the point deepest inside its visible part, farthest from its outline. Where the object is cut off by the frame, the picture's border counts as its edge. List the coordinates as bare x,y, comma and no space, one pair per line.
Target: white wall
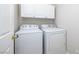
67,16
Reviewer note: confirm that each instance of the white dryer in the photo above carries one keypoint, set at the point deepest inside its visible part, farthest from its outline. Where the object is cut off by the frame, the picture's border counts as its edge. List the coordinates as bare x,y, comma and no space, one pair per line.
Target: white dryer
29,40
54,40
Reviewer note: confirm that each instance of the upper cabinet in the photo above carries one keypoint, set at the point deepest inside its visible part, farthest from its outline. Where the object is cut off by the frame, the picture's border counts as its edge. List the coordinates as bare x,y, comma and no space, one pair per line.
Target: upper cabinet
38,10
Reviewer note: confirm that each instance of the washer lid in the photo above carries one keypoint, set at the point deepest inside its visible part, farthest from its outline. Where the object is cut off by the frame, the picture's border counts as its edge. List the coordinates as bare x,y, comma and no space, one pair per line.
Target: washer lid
28,31
47,26
52,29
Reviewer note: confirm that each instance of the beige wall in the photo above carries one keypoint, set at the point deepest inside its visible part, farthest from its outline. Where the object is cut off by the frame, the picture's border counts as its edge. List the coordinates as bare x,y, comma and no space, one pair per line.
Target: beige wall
67,16
35,21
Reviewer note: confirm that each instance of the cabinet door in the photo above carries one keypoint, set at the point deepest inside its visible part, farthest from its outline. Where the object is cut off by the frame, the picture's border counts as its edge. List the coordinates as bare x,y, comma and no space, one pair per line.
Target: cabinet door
45,11
49,11
27,10
38,11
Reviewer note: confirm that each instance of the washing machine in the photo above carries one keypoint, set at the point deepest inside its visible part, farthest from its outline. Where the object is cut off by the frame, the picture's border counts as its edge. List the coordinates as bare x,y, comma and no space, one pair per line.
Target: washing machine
54,40
29,40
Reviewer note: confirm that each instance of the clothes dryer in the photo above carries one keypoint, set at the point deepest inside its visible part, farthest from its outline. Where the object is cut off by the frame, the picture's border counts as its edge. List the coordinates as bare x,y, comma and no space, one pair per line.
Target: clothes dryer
54,40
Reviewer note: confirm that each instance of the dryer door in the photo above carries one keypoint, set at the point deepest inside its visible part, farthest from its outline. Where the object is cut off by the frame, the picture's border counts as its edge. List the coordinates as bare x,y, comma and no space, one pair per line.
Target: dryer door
55,43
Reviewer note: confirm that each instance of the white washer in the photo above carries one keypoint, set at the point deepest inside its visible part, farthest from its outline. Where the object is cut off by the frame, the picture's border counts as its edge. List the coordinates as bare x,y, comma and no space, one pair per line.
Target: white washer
29,40
54,40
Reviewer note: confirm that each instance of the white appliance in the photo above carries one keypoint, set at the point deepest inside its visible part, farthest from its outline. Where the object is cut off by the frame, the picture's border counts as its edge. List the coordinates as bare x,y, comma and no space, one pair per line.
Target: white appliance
54,40
38,10
29,40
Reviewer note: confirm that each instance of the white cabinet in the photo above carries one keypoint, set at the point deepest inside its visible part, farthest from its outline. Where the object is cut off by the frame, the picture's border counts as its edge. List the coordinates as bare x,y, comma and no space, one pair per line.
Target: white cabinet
38,10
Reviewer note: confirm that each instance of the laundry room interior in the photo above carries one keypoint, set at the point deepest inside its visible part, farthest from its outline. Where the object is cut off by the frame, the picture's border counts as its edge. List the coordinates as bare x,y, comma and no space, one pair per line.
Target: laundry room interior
39,29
